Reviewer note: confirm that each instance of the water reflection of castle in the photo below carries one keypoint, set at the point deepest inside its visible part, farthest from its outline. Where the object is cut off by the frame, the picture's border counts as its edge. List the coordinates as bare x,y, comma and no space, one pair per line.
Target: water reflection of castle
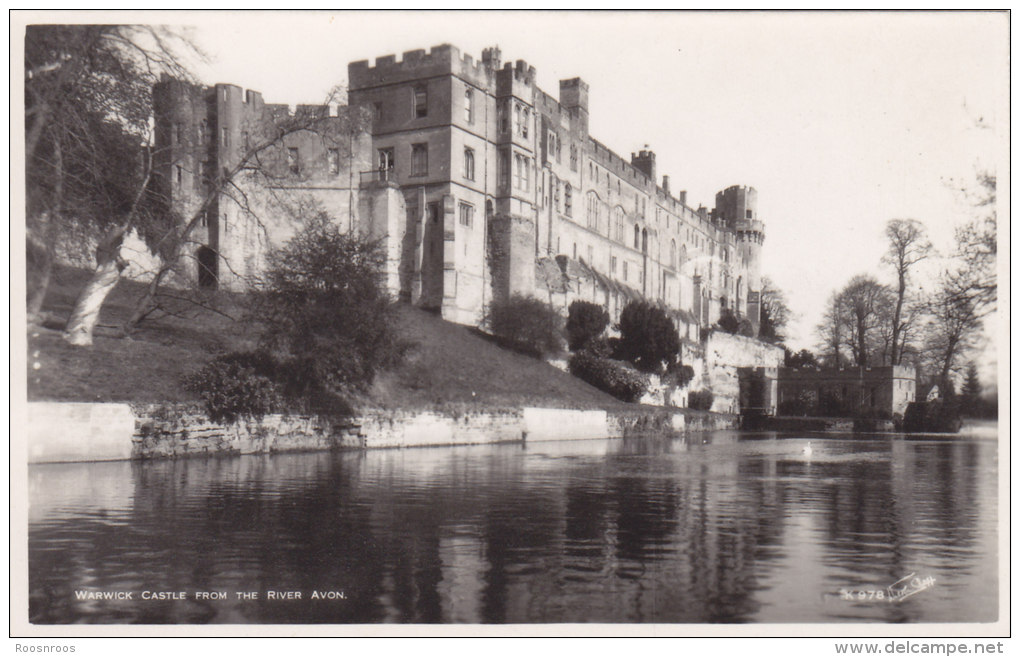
509,535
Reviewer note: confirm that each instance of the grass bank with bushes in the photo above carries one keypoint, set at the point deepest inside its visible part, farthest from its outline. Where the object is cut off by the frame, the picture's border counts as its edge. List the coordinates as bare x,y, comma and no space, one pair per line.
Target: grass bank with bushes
448,365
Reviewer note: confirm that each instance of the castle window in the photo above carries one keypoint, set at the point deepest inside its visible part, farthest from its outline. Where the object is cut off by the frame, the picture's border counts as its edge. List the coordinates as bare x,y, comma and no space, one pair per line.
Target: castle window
203,132
568,208
467,214
421,101
517,119
504,119
419,159
293,164
469,163
612,264
672,254
377,110
525,121
637,236
334,161
203,175
591,255
749,214
469,105
386,159
556,194
224,136
246,140
503,171
593,211
624,270
573,157
175,137
575,250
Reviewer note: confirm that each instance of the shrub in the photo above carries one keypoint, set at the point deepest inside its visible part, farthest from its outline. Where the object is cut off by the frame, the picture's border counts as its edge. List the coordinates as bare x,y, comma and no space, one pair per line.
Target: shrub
700,400
648,337
678,375
939,416
613,377
237,385
728,321
585,322
326,315
527,324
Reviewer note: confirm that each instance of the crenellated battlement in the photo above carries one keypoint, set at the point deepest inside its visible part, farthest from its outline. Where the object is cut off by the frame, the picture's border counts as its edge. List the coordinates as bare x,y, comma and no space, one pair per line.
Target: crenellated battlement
443,59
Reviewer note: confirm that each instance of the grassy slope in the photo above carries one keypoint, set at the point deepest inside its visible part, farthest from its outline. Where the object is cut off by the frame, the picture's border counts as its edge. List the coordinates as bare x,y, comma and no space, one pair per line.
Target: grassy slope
450,365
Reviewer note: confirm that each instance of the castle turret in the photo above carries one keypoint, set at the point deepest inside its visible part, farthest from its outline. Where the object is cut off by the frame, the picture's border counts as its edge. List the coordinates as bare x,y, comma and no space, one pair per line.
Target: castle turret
644,161
574,98
737,210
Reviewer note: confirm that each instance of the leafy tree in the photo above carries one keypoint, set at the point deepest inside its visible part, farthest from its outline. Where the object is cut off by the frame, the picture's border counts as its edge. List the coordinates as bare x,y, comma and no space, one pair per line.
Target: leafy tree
970,394
802,358
585,322
325,314
648,337
908,245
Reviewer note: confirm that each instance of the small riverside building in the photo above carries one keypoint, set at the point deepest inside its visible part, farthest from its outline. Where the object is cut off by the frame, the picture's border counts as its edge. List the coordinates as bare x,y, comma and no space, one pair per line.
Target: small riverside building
851,392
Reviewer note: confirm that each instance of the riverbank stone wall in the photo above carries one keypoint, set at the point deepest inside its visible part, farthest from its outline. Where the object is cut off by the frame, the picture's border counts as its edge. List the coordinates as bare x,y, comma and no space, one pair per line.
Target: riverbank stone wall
61,432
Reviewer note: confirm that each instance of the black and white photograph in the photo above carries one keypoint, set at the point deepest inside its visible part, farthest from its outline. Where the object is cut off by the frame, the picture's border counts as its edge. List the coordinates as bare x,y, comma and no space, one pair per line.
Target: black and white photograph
442,322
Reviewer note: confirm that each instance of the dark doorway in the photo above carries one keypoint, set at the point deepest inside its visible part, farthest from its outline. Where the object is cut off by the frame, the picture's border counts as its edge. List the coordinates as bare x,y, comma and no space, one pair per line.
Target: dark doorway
207,268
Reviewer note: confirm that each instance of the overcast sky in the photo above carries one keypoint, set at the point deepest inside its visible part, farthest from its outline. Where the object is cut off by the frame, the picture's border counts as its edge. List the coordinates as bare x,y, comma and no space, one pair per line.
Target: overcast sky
841,121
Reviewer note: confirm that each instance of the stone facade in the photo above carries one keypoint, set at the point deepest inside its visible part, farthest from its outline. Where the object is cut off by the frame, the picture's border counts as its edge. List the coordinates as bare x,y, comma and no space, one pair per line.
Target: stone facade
481,183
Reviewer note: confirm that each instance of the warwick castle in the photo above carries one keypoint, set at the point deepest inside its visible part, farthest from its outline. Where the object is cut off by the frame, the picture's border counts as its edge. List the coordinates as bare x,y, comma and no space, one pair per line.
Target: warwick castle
480,185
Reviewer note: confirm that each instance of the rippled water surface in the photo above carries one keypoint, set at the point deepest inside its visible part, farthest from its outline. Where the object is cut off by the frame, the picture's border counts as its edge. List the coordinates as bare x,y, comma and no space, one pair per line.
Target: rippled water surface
719,527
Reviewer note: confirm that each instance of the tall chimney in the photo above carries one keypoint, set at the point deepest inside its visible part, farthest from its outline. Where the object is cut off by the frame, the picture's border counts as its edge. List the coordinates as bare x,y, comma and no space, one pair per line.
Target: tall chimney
665,184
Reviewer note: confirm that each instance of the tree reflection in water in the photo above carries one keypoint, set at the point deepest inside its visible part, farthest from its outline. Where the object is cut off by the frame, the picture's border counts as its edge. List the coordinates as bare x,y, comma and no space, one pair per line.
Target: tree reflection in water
714,528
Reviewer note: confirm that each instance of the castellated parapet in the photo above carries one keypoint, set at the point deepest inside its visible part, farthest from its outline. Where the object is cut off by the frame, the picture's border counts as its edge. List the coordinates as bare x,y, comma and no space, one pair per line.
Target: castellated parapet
482,184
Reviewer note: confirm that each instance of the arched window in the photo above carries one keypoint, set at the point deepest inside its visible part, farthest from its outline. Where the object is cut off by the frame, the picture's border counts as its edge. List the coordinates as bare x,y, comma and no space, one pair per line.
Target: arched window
683,256
637,236
568,207
672,254
594,211
644,241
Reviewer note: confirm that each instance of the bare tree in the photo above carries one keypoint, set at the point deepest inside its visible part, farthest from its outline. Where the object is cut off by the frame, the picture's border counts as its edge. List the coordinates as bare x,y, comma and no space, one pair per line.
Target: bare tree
86,130
830,330
977,247
249,181
954,322
775,312
908,245
854,320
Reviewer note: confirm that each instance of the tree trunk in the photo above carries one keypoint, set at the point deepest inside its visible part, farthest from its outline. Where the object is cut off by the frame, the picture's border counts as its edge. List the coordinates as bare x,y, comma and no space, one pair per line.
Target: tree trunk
145,304
48,235
35,303
897,353
86,309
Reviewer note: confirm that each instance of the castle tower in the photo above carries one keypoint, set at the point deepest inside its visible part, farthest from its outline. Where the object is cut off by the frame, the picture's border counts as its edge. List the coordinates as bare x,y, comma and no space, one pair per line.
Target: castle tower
736,208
